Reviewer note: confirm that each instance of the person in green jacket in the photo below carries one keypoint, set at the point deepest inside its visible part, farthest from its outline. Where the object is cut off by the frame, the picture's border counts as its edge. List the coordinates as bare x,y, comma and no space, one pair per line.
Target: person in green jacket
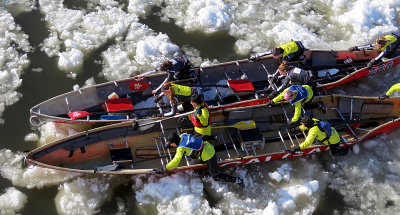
394,88
196,148
296,95
321,131
289,51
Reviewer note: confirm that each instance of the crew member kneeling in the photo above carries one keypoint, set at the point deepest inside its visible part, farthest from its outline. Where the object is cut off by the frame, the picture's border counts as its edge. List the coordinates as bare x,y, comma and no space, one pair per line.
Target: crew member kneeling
321,131
196,148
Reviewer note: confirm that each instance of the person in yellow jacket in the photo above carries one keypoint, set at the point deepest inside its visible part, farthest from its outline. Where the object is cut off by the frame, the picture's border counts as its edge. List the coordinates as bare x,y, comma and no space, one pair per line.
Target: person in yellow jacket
200,118
289,51
321,131
196,148
296,95
386,44
394,88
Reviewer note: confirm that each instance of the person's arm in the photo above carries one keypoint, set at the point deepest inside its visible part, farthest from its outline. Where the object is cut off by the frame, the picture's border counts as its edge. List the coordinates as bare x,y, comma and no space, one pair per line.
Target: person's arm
284,84
312,134
288,57
393,89
177,159
280,97
385,52
297,111
159,87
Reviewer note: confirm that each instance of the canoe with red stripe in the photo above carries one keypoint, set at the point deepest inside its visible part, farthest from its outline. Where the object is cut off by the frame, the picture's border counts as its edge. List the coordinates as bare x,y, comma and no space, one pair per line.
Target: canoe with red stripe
137,148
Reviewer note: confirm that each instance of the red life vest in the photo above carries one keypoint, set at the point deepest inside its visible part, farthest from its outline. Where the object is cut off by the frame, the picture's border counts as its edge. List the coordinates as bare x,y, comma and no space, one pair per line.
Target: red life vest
196,122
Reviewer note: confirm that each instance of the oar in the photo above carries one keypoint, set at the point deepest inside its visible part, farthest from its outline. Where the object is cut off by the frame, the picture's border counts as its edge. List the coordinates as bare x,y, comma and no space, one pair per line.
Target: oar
242,125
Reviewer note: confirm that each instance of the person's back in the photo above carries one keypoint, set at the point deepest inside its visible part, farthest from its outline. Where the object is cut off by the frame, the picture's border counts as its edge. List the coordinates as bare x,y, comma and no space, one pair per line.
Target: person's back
179,67
289,52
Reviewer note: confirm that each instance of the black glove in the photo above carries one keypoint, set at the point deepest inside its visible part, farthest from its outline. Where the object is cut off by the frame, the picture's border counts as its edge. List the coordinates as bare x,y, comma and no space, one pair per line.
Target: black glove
183,119
295,149
352,49
383,97
198,111
156,98
370,64
270,103
294,130
292,125
160,170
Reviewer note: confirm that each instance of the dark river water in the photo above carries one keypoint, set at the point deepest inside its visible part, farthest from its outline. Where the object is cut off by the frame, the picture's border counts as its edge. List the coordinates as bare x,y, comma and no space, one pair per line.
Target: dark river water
51,81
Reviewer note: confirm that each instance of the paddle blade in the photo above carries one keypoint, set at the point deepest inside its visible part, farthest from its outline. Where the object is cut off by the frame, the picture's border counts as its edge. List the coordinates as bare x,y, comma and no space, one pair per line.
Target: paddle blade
135,85
244,125
78,114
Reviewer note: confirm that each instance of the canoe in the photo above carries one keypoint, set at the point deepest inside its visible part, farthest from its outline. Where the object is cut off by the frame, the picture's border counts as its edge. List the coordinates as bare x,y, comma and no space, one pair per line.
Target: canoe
247,79
138,147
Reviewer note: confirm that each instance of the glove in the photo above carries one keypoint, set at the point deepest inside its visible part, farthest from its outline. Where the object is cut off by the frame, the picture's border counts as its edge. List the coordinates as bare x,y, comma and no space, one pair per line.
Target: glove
383,97
270,103
182,119
352,49
156,99
294,130
198,111
370,64
291,125
160,170
253,58
295,149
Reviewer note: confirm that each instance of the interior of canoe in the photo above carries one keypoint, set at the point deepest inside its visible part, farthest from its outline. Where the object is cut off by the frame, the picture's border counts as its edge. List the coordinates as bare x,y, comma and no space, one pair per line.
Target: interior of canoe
327,66
128,147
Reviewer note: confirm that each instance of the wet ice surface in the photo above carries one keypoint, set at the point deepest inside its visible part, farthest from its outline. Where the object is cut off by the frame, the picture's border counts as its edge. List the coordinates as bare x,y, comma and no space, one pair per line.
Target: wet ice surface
13,60
281,187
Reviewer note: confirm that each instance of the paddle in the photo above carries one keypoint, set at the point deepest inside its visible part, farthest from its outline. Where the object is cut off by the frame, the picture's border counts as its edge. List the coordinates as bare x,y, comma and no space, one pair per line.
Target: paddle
258,56
242,125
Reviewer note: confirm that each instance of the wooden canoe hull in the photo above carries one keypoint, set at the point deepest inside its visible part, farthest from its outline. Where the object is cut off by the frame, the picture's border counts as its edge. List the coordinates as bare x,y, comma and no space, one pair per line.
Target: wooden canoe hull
88,152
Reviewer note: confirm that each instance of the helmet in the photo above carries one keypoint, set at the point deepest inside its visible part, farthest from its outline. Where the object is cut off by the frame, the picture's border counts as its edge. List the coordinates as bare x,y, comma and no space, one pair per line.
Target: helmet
308,121
172,138
381,40
289,95
277,51
197,99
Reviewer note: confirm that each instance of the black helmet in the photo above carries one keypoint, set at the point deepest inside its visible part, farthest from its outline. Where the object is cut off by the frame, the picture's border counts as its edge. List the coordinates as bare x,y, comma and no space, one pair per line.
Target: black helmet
172,138
197,99
308,121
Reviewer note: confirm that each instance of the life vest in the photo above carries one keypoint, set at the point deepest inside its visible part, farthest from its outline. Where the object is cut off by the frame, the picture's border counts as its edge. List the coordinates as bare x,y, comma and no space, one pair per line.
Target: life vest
299,76
302,93
289,48
193,143
196,122
392,38
325,127
181,90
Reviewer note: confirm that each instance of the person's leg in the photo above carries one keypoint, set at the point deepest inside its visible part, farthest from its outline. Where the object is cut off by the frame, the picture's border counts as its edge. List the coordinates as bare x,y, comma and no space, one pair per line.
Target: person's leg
213,168
337,150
